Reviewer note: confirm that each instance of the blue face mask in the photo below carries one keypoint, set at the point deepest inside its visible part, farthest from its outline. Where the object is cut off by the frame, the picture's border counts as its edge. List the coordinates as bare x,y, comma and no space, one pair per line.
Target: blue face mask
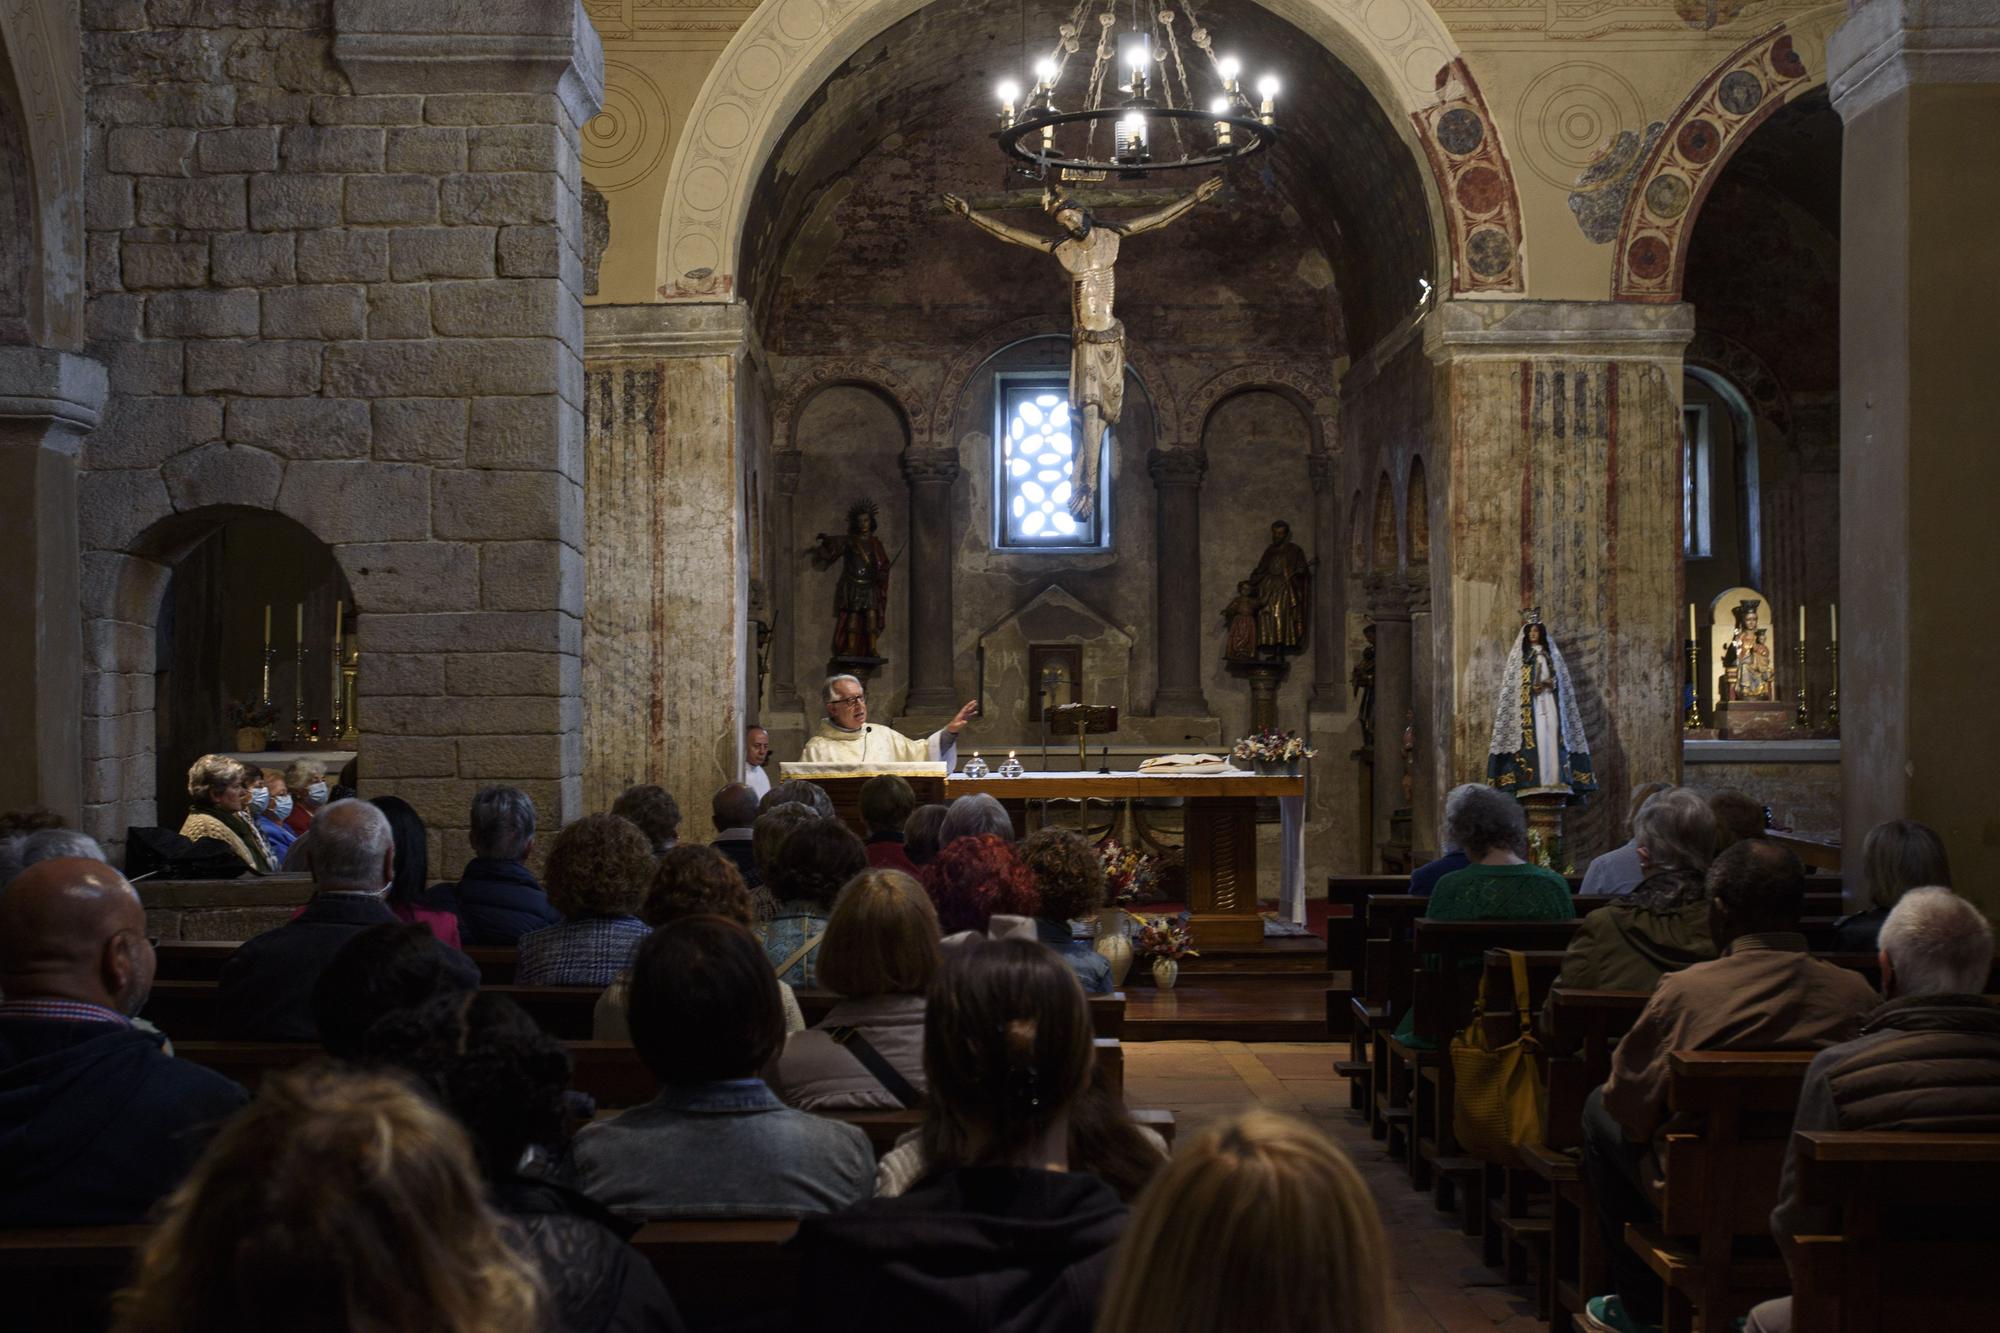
259,798
317,793
282,807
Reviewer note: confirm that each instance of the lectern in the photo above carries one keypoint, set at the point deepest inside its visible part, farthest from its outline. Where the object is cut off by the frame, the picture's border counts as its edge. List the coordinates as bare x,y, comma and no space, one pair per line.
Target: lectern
1085,720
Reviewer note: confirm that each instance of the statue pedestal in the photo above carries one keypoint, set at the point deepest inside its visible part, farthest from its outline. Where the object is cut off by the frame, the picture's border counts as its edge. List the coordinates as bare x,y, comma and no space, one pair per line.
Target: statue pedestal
1544,808
1264,678
1753,720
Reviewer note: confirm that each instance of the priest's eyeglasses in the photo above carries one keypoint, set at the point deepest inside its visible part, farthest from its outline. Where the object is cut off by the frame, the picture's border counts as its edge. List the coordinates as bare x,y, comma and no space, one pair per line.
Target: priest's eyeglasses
850,700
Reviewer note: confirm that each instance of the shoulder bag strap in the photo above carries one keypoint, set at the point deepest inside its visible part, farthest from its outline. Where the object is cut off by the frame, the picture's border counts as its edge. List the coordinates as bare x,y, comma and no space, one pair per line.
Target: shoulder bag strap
858,1046
799,954
1520,965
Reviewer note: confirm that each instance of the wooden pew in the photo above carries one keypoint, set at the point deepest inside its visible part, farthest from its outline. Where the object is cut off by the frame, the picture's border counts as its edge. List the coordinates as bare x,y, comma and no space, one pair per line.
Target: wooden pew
1712,1247
725,1272
1514,1224
1918,1235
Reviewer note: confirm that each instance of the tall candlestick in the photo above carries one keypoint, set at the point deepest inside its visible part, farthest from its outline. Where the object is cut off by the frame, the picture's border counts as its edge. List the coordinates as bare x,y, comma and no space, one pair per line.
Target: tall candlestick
299,626
1833,622
1802,622
1691,633
267,624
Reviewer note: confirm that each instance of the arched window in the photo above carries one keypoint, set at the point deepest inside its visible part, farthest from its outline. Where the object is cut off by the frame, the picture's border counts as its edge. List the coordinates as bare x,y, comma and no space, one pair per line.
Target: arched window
1034,468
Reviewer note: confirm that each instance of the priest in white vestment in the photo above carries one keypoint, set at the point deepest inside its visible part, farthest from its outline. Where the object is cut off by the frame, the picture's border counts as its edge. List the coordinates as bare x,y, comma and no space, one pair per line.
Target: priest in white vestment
844,735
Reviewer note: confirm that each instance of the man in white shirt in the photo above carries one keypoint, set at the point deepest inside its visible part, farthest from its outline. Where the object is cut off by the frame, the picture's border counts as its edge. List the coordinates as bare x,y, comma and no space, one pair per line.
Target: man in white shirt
844,736
756,749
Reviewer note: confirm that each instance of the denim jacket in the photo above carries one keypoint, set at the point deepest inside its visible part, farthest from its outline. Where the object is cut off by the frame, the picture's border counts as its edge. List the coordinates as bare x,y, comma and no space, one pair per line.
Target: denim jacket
795,923
727,1149
1092,968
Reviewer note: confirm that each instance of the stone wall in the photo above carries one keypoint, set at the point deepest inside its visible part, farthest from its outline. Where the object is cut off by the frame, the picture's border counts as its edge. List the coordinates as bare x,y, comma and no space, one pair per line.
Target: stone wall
334,271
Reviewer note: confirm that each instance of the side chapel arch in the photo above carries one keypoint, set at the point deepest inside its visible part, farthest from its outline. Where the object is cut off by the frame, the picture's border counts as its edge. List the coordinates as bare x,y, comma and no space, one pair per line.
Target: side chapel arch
1384,539
1416,517
787,50
1649,259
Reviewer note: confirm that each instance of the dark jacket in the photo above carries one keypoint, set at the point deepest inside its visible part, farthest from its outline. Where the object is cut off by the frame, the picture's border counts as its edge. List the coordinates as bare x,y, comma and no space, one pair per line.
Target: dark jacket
500,901
1426,876
885,852
1923,1063
1858,931
981,1249
96,1122
265,990
1661,926
739,851
596,1282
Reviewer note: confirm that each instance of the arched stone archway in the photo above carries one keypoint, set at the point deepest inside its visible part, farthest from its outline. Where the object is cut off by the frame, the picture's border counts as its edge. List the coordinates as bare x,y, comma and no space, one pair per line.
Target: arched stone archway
41,91
873,376
1649,259
787,49
1416,517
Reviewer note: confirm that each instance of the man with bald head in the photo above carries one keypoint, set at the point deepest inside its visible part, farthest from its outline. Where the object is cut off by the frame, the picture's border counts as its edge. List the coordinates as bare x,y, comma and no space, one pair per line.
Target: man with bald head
734,811
265,990
96,1121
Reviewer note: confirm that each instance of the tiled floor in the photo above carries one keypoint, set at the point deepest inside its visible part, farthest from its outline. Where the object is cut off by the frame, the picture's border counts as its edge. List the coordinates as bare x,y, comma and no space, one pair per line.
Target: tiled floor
1440,1282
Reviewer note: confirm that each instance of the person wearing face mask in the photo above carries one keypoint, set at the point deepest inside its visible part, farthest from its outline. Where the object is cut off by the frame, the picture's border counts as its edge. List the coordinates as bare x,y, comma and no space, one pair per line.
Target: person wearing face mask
220,793
265,990
306,780
96,1122
272,811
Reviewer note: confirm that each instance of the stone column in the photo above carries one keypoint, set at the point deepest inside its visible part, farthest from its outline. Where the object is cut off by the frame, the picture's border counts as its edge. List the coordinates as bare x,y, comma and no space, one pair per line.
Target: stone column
1563,492
929,569
1329,605
666,637
785,468
1177,475
48,401
1917,83
1389,608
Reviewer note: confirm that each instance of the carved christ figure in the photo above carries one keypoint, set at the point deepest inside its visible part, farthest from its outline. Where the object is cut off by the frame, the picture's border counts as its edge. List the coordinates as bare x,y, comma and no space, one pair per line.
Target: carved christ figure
1087,250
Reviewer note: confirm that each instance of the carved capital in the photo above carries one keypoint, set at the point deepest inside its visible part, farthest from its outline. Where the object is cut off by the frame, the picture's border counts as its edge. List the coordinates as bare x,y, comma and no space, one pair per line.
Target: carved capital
1324,469
1176,467
786,466
1389,596
930,467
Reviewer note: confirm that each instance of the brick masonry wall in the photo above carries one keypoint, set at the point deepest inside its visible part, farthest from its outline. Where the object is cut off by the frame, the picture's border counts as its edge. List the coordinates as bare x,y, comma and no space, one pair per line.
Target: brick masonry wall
361,312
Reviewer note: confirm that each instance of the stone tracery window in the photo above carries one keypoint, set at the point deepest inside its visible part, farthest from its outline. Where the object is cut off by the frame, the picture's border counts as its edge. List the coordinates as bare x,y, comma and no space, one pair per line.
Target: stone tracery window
1034,463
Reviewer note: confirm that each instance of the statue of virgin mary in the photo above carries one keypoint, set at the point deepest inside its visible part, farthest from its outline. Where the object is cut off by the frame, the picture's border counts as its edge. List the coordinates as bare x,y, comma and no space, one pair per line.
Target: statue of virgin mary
1538,740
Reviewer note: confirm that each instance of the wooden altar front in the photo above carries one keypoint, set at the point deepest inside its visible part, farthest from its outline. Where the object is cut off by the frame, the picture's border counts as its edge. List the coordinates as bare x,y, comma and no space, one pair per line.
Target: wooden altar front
1221,833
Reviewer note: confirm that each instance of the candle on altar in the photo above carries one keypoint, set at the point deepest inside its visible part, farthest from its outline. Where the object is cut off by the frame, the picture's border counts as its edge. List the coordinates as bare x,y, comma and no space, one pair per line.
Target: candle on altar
299,625
1691,634
267,627
335,663
1833,622
1802,624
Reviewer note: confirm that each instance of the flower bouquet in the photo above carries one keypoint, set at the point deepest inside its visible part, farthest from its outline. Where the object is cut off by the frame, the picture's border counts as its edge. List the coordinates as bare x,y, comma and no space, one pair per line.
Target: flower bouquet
251,723
1165,937
1272,752
1129,874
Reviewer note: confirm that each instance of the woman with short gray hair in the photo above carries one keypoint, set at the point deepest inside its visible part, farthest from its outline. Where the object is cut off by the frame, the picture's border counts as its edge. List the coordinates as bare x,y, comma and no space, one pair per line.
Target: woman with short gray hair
218,808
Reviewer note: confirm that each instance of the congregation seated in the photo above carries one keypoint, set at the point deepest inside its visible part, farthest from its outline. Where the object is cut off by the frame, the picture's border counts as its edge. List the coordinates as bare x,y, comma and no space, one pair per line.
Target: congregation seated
96,1122
886,805
1619,870
817,861
798,791
1738,817
18,851
1498,884
412,897
655,812
1069,883
768,836
305,778
1000,1232
879,956
598,872
264,991
976,879
690,881
1661,924
1259,1194
218,809
715,1142
498,899
380,971
734,812
1104,1140
920,833
271,812
1765,993
1927,1060
336,1200
503,1079
970,816
1897,855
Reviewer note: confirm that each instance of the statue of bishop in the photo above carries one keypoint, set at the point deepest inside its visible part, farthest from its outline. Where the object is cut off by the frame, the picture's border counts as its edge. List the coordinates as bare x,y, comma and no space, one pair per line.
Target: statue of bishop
1087,250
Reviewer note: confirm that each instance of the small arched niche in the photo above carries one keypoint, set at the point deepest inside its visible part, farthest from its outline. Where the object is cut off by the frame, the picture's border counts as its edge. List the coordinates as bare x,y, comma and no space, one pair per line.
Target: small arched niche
210,645
1417,517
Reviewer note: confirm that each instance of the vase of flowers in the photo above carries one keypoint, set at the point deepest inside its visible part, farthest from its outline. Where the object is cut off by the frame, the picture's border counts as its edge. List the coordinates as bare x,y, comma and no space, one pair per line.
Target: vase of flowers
1272,753
251,723
1129,874
1165,940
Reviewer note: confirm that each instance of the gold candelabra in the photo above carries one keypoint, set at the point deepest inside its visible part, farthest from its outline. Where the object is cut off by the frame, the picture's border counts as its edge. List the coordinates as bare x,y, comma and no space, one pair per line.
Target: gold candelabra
1802,717
1833,690
1691,718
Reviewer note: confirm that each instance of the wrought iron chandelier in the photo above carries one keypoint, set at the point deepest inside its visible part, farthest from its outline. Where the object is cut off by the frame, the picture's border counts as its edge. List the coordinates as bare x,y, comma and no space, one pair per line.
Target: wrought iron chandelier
1154,120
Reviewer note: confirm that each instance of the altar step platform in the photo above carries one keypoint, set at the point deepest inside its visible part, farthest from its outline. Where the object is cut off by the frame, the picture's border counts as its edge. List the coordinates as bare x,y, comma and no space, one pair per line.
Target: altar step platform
1274,992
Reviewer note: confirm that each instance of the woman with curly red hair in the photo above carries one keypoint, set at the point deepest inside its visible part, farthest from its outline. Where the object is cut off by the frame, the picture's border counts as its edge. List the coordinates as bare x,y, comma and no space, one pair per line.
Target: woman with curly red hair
977,878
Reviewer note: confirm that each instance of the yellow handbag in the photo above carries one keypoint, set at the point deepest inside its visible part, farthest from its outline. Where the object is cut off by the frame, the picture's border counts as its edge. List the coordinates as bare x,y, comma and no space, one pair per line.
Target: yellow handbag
1497,1098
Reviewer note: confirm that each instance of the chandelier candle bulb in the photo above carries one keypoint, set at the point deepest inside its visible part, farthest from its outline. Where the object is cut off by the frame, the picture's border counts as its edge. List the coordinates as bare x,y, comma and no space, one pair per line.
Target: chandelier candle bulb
1221,108
1267,88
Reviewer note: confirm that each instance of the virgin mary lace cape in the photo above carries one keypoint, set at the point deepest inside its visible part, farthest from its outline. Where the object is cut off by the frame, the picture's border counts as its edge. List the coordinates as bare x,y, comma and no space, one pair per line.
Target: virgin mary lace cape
1507,714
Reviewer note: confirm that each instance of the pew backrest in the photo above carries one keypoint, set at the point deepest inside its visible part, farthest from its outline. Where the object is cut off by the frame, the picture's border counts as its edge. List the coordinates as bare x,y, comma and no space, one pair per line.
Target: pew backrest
1449,957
